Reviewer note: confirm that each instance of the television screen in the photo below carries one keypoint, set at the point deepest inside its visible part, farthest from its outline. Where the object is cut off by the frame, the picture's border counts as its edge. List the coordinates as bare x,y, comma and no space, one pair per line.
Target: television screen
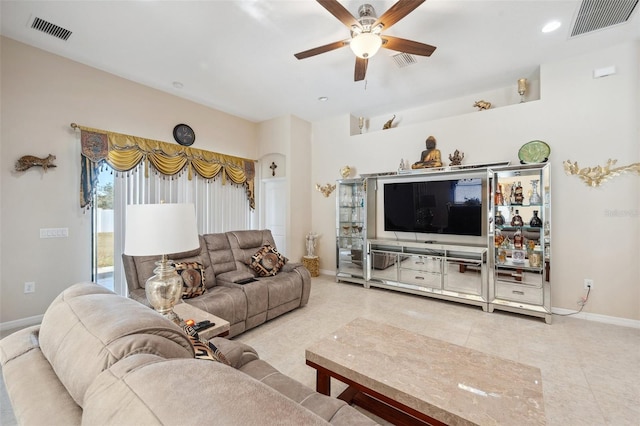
434,207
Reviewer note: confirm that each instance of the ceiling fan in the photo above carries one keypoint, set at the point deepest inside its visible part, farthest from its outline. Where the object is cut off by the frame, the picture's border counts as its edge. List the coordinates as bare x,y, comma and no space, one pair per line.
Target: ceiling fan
366,33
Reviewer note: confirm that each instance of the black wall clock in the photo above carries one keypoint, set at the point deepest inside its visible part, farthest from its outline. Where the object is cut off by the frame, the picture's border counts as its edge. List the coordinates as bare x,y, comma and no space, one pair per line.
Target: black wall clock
184,134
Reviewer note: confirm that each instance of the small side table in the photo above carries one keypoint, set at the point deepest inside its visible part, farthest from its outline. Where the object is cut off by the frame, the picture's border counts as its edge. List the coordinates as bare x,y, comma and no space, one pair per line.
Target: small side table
187,311
312,263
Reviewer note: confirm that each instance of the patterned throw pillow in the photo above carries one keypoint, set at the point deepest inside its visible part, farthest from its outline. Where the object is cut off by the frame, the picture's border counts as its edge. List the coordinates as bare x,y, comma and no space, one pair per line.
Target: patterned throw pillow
267,261
192,274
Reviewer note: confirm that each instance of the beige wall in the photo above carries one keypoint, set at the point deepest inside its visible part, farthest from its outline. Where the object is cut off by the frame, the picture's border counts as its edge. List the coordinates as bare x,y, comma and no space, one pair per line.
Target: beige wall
596,231
290,137
41,95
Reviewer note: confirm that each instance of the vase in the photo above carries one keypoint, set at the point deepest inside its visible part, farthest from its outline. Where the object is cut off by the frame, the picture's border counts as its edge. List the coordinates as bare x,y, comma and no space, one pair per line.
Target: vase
535,196
535,221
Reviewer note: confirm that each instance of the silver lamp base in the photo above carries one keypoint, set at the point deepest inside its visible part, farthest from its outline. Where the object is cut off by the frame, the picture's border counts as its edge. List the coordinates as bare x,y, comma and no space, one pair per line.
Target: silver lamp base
164,289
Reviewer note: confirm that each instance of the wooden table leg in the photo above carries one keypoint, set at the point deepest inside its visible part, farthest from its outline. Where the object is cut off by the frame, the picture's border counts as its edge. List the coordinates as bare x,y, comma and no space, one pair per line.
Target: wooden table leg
323,383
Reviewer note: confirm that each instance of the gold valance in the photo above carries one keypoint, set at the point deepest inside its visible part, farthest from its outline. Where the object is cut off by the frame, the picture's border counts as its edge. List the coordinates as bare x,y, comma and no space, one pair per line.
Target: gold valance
125,152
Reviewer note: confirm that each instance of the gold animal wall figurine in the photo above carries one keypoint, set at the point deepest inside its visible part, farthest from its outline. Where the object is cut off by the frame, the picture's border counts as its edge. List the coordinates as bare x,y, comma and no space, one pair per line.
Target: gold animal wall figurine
28,161
387,125
482,105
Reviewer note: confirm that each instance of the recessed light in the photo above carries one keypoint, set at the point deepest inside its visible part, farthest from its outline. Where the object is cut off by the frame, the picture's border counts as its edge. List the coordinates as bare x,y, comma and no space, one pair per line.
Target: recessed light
178,85
323,99
551,26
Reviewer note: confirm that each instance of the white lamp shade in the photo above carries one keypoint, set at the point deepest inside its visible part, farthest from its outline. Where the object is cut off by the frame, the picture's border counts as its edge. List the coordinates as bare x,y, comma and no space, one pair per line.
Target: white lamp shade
157,229
365,45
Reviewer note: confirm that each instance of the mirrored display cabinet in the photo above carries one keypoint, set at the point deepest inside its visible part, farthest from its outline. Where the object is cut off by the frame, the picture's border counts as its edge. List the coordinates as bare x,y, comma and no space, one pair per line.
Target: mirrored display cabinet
353,211
519,238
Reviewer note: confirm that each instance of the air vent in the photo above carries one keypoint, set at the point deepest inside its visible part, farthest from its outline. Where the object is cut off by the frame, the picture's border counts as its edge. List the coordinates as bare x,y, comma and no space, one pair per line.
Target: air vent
51,29
597,14
404,60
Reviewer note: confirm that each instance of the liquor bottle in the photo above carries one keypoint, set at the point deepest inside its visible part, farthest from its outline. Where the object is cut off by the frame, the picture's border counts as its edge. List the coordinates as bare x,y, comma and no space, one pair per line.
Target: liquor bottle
518,239
499,219
535,221
516,220
518,194
499,198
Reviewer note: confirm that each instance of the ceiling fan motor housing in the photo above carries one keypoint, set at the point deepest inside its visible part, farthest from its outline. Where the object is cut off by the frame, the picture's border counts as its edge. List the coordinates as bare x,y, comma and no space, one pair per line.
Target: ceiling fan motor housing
368,17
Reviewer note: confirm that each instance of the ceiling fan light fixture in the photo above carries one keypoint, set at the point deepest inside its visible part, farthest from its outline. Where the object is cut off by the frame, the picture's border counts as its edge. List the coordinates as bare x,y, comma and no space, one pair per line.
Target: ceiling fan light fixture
365,45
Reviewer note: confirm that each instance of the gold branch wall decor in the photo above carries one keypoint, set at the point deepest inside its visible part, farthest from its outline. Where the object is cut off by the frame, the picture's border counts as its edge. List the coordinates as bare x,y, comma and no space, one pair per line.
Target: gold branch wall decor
326,189
594,176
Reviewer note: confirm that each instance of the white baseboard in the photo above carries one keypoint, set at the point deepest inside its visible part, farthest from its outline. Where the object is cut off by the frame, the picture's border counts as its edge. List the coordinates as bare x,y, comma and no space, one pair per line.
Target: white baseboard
624,322
21,323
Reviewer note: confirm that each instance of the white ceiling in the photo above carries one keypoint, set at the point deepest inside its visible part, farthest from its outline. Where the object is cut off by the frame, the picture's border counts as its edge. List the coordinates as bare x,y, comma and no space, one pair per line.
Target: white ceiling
237,56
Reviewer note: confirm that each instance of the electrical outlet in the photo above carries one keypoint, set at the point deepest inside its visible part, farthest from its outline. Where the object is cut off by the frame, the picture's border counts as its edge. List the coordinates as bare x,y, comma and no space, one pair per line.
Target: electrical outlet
30,287
588,283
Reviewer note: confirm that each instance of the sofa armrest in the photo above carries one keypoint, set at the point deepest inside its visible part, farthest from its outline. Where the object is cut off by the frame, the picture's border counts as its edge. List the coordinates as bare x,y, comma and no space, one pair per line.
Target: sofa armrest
139,295
19,343
290,266
237,353
235,276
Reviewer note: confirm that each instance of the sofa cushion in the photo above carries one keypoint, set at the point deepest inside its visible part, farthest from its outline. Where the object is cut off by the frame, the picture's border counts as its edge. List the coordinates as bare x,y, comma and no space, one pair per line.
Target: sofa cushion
244,244
225,302
266,261
193,280
219,250
147,390
83,334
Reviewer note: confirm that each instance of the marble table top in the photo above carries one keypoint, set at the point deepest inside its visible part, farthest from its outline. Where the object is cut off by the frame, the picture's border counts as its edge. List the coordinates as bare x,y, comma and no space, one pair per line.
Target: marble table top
450,383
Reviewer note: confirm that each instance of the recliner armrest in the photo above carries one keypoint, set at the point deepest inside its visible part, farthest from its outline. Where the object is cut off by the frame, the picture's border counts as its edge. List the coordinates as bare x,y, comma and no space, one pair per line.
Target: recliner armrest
19,343
237,353
290,266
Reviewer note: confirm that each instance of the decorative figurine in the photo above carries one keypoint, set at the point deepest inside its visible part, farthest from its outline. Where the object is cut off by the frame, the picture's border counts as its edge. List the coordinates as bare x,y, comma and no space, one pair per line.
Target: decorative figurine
482,105
387,125
430,157
456,159
345,172
28,161
311,243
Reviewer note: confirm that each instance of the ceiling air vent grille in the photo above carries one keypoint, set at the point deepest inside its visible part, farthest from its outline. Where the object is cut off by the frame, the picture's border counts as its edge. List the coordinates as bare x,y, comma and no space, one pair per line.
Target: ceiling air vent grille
597,14
404,60
51,29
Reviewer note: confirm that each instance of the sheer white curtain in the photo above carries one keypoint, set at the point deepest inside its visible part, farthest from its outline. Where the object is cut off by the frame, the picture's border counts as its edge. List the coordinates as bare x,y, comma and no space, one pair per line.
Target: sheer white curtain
219,207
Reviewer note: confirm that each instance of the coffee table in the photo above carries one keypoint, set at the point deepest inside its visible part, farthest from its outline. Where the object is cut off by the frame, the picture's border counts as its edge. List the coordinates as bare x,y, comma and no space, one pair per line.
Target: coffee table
407,378
187,311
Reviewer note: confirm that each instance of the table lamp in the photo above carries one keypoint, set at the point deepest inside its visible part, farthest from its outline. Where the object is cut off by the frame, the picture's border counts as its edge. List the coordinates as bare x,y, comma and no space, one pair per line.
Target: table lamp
160,229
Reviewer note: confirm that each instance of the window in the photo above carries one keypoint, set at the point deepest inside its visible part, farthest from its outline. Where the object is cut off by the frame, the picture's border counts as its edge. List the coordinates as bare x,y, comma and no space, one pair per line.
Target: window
219,208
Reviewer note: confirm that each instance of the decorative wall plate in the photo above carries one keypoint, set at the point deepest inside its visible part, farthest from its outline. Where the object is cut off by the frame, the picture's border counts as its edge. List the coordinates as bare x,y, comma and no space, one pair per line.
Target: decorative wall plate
534,152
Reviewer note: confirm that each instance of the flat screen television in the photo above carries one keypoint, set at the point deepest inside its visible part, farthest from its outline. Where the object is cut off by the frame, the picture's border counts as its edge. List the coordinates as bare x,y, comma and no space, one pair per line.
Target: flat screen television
434,207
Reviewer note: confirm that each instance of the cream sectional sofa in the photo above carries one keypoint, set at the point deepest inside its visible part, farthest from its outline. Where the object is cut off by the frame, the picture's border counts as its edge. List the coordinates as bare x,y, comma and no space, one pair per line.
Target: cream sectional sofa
225,258
103,359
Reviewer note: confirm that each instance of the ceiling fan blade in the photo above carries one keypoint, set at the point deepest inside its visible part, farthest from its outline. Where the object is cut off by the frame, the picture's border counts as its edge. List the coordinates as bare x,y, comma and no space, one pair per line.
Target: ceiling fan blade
322,49
339,11
361,69
398,11
407,46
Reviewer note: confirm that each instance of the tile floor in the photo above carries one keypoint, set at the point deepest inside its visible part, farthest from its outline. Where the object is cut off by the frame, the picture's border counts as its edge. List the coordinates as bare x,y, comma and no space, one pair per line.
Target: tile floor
590,370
